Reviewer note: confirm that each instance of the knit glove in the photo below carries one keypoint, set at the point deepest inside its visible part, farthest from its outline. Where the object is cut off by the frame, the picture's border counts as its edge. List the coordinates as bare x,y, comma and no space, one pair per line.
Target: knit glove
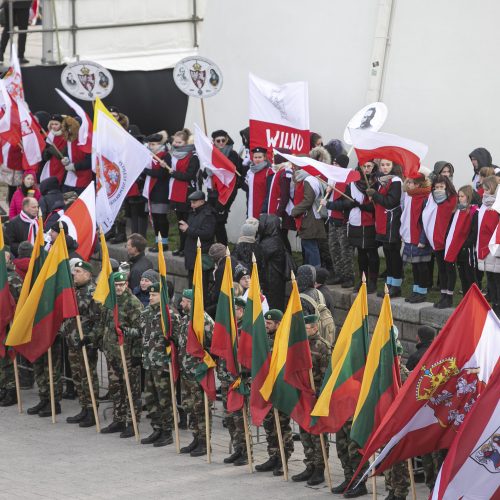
70,167
65,161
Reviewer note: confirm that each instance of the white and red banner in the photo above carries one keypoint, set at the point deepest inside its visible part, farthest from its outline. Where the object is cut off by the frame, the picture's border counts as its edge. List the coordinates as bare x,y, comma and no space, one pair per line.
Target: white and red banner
279,115
443,388
81,220
9,117
472,466
405,152
117,159
84,132
13,79
329,173
31,138
223,170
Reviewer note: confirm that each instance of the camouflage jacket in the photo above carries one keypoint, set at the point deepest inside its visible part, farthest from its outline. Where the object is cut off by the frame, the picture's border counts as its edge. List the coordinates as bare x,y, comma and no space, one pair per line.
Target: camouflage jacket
15,284
154,343
403,372
187,362
89,315
129,312
222,374
320,355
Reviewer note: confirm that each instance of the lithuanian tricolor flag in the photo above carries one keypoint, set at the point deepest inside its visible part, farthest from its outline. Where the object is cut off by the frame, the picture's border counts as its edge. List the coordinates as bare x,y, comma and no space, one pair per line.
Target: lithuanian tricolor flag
105,293
380,383
196,333
287,384
342,381
7,303
166,320
51,300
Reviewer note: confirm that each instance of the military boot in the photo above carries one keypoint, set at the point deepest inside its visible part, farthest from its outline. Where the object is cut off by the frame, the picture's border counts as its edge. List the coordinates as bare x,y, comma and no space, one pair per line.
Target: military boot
232,458
242,460
10,398
78,417
113,427
200,450
165,439
304,475
318,476
278,469
89,420
268,465
128,432
191,446
47,410
356,491
152,437
3,393
35,409
338,490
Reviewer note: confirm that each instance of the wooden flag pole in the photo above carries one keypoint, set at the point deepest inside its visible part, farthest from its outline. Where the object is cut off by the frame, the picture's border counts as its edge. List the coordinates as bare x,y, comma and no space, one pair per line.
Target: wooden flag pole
51,385
51,143
282,447
18,385
161,162
89,376
174,407
129,393
412,480
207,428
322,440
374,483
203,116
248,440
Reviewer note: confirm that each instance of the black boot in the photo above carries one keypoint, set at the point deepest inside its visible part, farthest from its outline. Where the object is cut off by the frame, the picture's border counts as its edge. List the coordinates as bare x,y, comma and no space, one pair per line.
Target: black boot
338,490
200,450
152,437
10,398
47,410
356,491
390,496
113,427
446,301
128,432
418,298
89,420
395,291
371,286
304,475
242,460
437,304
278,469
35,409
69,393
182,419
78,417
191,446
164,439
3,393
232,458
270,464
318,476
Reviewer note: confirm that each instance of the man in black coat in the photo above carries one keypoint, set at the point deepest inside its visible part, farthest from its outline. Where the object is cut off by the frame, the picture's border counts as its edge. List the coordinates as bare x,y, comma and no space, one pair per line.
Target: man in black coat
22,227
136,245
425,336
200,224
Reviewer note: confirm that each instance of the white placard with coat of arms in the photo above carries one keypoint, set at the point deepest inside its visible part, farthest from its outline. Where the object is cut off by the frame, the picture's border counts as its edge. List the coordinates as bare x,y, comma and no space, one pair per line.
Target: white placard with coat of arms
87,80
198,77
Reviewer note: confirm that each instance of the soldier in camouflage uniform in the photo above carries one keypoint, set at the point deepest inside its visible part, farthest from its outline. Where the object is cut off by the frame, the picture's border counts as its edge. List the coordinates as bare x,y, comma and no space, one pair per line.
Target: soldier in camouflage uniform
397,478
235,422
273,318
320,356
129,311
193,400
155,362
89,316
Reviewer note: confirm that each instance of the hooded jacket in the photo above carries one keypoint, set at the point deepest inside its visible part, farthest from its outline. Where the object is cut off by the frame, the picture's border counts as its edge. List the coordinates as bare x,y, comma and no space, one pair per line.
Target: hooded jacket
483,157
52,197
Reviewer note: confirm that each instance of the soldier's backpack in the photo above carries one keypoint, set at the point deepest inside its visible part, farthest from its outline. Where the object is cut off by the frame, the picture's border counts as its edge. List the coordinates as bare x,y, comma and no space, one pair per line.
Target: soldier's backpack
326,321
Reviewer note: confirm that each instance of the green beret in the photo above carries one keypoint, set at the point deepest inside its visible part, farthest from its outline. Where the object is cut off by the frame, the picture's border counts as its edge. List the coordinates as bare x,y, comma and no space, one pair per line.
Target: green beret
119,276
399,348
188,293
84,265
155,287
274,315
311,319
240,302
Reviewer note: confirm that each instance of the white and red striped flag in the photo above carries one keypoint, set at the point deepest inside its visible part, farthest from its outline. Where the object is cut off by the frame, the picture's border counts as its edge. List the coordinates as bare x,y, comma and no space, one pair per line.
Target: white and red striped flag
279,115
223,170
329,173
9,118
442,389
85,130
405,152
81,220
13,79
32,140
472,466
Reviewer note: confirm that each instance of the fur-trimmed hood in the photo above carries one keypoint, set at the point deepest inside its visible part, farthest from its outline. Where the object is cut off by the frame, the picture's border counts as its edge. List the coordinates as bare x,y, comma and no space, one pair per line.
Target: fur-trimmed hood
321,154
70,128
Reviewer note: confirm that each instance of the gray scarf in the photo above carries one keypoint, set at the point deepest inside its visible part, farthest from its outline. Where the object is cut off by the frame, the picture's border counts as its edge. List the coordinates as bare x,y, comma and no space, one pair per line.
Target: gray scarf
261,166
488,199
439,196
226,150
246,239
461,206
181,152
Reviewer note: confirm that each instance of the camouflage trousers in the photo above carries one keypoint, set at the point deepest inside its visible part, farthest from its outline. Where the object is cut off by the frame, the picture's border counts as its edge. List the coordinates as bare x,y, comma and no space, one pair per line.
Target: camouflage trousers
397,479
117,388
7,380
235,422
273,448
341,252
348,452
194,404
431,464
313,455
158,398
41,372
79,374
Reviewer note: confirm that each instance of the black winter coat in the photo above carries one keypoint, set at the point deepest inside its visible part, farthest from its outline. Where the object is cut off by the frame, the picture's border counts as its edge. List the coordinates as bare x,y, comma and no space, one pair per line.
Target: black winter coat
16,231
138,265
201,224
414,358
391,201
52,197
242,252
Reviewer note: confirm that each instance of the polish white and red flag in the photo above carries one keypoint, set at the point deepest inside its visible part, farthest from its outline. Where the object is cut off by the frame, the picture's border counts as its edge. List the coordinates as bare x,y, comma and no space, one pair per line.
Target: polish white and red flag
13,79
85,130
81,220
10,130
329,173
443,388
33,142
279,115
370,145
472,466
222,169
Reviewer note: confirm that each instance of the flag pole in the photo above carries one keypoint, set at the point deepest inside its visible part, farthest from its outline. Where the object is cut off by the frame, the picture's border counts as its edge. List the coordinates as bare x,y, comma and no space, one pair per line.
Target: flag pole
129,393
412,479
247,436
203,116
18,386
51,386
374,482
89,376
280,441
207,428
334,189
174,406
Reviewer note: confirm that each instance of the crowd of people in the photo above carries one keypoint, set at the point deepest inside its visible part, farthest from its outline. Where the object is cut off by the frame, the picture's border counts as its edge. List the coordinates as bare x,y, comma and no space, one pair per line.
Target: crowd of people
421,221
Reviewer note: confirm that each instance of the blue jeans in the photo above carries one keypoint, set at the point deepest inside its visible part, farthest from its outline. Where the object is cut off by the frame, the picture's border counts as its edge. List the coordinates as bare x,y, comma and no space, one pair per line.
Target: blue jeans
310,252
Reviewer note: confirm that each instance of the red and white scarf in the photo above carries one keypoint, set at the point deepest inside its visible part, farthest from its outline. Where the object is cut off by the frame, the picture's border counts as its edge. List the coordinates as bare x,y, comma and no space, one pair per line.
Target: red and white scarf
359,217
459,231
436,218
178,189
33,223
487,221
78,178
411,227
